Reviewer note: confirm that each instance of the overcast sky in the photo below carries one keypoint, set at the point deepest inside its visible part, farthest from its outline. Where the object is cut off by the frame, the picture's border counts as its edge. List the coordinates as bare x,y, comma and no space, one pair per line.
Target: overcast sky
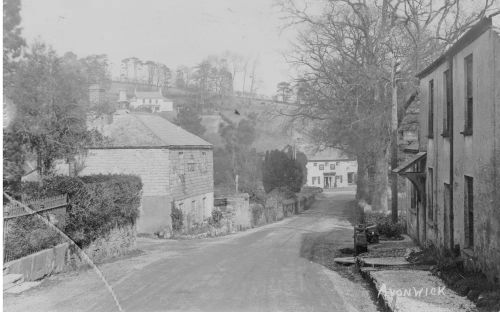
173,32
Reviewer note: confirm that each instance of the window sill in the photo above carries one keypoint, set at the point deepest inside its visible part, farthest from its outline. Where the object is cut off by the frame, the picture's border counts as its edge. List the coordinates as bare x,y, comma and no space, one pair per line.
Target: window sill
445,134
466,132
430,136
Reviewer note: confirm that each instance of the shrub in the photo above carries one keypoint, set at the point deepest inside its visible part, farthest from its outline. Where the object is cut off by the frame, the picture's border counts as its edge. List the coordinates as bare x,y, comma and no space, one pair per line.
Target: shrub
390,229
27,235
216,217
97,203
384,224
177,219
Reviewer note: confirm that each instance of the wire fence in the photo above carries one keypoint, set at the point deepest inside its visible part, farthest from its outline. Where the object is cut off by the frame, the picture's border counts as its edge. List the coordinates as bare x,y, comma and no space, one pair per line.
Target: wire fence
24,233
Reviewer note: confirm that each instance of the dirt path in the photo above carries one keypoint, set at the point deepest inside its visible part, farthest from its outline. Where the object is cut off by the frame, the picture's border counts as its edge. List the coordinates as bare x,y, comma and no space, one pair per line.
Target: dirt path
272,268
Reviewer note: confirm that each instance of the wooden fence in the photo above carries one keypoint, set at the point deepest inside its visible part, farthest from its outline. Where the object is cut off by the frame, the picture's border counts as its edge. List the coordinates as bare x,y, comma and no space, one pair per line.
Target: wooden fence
52,208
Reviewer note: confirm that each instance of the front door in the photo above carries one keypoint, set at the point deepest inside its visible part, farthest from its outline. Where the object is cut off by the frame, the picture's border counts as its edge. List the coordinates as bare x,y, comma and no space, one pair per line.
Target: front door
328,182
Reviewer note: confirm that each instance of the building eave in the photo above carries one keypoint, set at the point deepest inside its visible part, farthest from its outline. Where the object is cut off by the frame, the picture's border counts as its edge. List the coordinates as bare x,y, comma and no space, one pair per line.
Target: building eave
472,34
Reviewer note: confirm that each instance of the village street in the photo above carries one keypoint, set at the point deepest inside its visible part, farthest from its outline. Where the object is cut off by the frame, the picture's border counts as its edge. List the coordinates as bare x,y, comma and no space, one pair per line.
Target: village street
263,269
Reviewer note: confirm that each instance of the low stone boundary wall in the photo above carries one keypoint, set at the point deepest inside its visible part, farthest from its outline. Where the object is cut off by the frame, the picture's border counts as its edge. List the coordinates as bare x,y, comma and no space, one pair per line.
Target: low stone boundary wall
62,257
115,243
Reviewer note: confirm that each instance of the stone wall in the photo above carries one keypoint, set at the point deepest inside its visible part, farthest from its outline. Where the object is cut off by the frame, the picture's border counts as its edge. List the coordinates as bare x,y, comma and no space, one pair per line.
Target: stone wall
117,242
237,210
64,257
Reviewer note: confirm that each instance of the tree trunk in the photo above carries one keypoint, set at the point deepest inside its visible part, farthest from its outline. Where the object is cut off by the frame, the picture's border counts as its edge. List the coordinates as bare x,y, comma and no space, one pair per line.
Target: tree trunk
380,182
362,183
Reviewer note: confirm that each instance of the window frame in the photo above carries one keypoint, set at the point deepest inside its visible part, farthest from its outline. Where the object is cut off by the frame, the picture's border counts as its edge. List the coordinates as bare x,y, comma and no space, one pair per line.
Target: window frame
430,117
448,103
321,167
468,95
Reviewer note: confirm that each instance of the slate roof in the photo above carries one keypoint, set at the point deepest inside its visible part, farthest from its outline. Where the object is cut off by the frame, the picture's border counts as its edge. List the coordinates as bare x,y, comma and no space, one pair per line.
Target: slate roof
147,130
149,95
327,154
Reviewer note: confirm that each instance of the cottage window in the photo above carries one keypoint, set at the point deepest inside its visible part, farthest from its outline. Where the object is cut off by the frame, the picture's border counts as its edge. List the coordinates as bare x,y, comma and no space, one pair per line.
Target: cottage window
430,195
321,167
332,166
468,96
431,110
350,177
469,211
448,97
315,164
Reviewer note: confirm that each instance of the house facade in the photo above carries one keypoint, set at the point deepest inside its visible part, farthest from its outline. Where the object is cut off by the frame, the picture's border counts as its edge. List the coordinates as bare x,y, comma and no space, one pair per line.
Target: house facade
175,166
329,169
456,174
153,100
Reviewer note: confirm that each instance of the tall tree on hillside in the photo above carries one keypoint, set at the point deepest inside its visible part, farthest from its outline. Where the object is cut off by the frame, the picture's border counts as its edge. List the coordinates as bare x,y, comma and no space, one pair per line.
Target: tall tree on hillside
51,99
190,120
284,90
13,42
279,170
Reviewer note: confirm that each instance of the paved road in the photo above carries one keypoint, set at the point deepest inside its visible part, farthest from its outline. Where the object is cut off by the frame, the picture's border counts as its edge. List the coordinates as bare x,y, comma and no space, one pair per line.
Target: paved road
264,269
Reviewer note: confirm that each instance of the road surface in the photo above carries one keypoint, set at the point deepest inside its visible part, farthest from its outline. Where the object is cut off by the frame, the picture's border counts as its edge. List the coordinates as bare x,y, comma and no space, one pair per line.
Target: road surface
271,268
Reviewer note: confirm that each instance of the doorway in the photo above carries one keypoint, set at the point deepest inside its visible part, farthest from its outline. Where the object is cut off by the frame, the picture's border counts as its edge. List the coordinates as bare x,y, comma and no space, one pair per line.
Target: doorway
328,182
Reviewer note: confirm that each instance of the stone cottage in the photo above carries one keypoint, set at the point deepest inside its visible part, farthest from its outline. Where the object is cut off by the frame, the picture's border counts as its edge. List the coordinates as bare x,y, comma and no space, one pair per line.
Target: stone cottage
456,174
176,167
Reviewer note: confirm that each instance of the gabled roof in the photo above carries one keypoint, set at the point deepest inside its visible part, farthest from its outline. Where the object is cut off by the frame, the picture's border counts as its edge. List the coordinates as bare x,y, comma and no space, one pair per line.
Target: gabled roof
143,130
149,95
329,154
472,34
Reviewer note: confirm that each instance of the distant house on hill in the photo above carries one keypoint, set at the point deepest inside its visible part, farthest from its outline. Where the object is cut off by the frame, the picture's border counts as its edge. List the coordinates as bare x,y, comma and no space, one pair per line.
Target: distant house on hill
176,167
330,169
153,100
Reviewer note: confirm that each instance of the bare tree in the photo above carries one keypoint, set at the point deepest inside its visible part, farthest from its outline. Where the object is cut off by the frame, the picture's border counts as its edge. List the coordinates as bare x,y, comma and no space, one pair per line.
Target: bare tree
347,56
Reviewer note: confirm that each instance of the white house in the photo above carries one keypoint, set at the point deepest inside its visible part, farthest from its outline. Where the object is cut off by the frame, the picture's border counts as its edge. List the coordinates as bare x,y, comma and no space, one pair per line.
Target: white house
152,99
331,169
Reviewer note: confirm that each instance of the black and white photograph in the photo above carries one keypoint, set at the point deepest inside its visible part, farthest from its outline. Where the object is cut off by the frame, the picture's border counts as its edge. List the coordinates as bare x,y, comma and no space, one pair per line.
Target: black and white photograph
251,155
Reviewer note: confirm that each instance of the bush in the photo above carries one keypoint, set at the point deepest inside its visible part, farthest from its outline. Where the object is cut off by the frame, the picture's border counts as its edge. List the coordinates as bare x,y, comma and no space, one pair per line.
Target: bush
97,203
384,224
177,219
391,230
216,218
27,235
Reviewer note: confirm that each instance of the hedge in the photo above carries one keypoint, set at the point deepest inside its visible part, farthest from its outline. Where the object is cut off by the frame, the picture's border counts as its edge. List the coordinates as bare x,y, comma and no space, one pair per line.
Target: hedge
97,203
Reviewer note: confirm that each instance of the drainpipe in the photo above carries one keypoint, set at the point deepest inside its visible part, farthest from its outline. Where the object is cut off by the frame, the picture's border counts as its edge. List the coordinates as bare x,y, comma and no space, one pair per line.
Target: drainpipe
451,121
